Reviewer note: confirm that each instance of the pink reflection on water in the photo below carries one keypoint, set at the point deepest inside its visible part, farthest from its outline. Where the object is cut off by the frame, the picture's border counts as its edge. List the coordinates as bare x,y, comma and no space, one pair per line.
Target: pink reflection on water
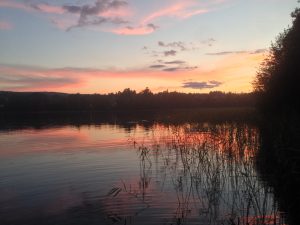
66,139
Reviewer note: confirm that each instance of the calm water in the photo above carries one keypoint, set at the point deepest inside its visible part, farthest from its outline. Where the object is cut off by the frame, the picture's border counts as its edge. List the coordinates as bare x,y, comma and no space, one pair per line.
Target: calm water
139,171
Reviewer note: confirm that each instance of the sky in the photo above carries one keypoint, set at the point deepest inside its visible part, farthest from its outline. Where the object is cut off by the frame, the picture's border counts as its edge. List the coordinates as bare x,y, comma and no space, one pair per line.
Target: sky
103,46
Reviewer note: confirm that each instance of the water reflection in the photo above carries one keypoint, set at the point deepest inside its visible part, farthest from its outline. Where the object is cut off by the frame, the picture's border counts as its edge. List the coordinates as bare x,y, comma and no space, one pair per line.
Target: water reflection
211,170
190,168
127,120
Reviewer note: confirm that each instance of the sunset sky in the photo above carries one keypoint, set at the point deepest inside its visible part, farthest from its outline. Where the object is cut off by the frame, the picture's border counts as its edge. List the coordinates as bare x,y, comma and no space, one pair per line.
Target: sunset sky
101,46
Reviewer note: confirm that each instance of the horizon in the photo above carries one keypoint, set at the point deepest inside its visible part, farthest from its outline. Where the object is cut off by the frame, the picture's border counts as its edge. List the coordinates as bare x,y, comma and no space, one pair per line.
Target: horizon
105,46
137,92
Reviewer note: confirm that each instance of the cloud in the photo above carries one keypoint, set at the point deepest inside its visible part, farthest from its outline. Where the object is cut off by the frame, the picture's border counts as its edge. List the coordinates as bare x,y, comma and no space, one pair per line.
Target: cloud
28,80
172,69
97,21
172,66
180,68
29,7
12,78
140,30
4,25
177,44
113,13
209,42
157,66
170,53
153,26
91,14
44,7
14,5
257,51
92,10
175,62
201,85
215,82
102,11
226,53
180,46
170,49
180,10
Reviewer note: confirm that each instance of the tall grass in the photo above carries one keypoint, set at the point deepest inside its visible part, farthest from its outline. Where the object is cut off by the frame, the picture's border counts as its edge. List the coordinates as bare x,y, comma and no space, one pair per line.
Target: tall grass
210,169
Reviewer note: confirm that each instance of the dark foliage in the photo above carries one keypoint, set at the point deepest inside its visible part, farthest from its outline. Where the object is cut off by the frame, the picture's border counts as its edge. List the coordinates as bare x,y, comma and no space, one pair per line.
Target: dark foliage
276,87
126,100
278,162
278,79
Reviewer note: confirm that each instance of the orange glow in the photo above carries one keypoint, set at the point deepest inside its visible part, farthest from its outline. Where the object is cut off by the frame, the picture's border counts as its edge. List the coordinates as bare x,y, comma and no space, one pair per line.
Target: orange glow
235,71
266,219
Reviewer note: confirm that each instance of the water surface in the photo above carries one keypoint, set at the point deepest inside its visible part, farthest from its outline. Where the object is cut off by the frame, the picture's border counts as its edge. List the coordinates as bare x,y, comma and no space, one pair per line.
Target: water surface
133,171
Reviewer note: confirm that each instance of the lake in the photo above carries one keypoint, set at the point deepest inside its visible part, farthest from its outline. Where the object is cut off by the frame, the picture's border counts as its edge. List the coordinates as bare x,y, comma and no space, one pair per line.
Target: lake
134,168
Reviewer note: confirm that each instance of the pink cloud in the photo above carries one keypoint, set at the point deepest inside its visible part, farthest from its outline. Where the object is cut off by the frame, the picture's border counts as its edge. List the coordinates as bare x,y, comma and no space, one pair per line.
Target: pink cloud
119,12
5,25
141,30
181,10
13,4
193,13
63,23
140,19
50,8
45,8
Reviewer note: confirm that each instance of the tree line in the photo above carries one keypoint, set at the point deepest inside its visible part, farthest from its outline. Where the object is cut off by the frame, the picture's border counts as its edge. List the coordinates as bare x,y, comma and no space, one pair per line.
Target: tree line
123,100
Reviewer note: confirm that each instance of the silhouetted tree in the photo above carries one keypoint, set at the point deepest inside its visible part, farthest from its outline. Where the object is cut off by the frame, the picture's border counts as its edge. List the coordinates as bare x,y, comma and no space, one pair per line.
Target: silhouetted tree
146,91
125,100
277,82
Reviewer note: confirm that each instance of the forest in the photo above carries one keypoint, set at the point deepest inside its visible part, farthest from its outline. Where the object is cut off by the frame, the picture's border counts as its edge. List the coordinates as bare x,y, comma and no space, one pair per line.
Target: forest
126,100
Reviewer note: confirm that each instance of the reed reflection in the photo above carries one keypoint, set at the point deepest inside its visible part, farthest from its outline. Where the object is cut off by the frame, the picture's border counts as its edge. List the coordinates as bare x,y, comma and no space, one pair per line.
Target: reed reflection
199,173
